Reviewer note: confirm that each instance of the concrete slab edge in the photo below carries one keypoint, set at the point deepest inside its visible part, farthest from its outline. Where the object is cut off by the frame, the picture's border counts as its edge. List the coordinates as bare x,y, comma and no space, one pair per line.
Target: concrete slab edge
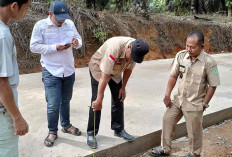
151,140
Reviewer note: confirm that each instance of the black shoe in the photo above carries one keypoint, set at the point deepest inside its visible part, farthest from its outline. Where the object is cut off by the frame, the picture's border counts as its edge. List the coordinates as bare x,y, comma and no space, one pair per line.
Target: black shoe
124,135
158,152
91,142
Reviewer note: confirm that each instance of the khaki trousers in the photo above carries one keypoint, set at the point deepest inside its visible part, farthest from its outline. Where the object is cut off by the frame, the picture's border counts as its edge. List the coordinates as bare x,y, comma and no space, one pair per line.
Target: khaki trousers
8,142
194,128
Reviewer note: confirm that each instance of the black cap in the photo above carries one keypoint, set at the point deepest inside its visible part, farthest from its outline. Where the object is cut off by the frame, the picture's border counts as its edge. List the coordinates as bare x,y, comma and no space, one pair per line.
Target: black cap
139,49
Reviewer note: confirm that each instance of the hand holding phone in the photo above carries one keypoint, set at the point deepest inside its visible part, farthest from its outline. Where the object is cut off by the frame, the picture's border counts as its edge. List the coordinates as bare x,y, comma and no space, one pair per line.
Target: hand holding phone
63,47
68,44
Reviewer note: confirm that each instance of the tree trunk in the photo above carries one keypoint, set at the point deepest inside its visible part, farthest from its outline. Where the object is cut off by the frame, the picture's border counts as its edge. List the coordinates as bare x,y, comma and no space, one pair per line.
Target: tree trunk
94,4
145,9
119,5
103,4
229,12
209,7
141,7
194,7
202,6
90,4
223,5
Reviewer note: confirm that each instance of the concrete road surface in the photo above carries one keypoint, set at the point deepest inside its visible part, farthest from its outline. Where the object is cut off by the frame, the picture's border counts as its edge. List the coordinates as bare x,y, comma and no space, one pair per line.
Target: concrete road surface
144,108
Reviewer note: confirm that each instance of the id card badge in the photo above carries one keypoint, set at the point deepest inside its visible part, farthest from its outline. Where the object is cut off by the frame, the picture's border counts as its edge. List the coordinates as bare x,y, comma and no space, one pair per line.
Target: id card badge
182,68
182,71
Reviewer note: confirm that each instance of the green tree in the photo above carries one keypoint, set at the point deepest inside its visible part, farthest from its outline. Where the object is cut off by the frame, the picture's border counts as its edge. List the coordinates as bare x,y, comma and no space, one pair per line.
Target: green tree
158,5
183,6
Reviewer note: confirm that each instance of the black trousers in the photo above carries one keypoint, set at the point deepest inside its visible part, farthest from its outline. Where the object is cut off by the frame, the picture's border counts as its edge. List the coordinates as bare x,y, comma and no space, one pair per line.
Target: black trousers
117,108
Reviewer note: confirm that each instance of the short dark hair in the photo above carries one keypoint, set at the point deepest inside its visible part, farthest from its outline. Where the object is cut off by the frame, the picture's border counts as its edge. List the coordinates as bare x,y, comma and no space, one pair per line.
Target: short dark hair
4,3
199,36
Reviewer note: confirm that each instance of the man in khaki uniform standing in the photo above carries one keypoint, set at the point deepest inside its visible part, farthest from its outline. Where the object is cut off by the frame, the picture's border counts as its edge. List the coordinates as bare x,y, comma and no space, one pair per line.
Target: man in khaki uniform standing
198,79
116,56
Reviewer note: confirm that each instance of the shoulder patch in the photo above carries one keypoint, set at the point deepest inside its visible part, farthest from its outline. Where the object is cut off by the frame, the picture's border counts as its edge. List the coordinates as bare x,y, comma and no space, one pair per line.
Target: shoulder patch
215,71
111,58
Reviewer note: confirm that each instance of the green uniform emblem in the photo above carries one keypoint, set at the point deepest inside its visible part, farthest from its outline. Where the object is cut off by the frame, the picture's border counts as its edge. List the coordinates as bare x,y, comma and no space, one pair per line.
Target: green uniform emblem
215,71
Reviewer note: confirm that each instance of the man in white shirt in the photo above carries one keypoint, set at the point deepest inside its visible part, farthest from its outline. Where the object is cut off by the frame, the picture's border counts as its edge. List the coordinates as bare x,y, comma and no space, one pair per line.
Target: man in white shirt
54,38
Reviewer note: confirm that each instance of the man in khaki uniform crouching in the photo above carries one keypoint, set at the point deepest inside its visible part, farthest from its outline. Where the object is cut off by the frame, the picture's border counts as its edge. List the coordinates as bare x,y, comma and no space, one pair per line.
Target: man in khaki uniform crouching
199,78
116,56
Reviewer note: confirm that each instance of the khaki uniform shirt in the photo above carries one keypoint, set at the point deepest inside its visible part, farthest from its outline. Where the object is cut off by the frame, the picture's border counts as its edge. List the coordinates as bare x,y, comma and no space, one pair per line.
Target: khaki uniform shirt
110,59
196,78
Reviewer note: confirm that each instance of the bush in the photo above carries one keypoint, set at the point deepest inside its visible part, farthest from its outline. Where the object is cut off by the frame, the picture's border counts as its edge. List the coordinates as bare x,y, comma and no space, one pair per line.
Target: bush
100,34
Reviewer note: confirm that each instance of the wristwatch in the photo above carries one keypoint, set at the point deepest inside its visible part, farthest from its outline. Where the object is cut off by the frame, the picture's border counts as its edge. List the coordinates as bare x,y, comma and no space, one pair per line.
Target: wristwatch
205,105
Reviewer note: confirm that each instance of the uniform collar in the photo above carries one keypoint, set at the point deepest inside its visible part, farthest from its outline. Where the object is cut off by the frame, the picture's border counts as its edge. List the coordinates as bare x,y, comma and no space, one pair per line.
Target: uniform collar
124,49
187,55
200,57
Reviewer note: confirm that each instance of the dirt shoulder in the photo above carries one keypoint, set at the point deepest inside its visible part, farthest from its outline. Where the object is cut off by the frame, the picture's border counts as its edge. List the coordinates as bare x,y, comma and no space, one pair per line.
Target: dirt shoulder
165,33
217,142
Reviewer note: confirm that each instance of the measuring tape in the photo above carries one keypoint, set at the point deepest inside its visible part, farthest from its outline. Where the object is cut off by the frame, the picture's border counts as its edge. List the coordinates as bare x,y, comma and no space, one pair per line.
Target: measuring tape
94,133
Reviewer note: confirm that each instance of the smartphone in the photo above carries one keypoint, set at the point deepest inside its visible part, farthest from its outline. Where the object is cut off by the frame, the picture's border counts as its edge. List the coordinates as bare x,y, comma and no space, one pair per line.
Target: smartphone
68,44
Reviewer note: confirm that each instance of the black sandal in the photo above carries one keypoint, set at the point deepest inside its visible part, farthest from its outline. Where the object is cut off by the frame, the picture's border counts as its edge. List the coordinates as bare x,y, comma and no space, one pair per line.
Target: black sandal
158,152
48,142
77,132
